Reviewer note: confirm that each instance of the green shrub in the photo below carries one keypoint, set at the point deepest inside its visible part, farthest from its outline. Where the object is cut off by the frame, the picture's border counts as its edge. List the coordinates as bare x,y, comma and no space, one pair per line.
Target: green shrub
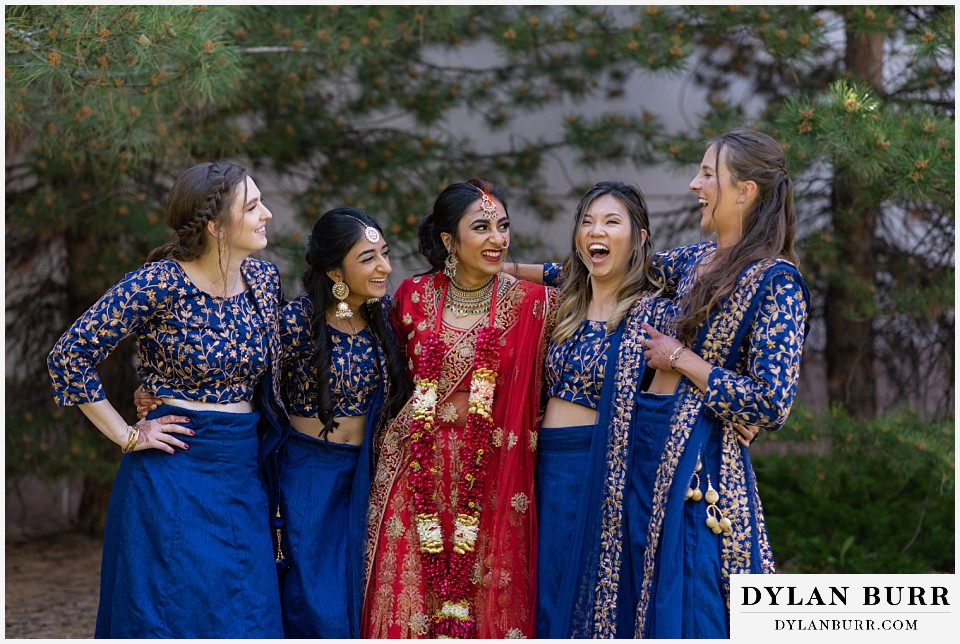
859,496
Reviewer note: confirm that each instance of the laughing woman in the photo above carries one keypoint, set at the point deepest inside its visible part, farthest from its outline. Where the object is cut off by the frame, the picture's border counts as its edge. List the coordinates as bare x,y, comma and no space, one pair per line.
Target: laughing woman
452,549
343,376
187,549
740,323
596,456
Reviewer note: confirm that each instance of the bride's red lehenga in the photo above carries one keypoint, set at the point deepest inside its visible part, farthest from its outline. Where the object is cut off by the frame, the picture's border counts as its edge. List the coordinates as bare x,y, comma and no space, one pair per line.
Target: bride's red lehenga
497,585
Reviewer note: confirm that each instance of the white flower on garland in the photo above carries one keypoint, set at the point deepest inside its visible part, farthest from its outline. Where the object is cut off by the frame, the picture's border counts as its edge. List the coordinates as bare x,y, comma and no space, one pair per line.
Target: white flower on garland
481,392
465,533
429,532
460,610
425,400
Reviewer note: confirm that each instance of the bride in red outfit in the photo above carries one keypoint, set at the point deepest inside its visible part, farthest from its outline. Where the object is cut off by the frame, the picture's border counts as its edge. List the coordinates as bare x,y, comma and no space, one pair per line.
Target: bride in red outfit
452,534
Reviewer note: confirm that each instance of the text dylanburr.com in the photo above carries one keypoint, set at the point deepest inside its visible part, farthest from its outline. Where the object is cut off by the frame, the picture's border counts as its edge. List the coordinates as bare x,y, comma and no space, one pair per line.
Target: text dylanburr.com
847,608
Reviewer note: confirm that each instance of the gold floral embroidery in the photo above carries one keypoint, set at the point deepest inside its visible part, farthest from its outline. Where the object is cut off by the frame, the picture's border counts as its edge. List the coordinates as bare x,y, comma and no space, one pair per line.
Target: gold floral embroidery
533,441
353,373
407,318
417,349
512,440
602,619
738,496
496,438
575,369
447,412
419,624
520,502
215,349
476,573
514,634
395,528
415,297
422,325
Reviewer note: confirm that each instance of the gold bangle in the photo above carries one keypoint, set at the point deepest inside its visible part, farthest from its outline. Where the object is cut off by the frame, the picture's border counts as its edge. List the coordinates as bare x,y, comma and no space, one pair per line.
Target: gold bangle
132,439
676,356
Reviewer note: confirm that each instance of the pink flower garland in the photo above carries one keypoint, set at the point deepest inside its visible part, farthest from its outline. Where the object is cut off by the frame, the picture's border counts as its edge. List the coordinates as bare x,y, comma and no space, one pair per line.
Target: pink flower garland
449,575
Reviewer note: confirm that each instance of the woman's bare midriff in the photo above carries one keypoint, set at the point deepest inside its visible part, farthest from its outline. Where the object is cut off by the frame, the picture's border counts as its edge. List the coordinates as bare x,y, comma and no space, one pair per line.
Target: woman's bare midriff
563,413
349,430
664,382
243,407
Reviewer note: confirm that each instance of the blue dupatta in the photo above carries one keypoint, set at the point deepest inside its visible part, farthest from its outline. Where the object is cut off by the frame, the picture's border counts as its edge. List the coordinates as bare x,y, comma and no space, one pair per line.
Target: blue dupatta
661,612
594,597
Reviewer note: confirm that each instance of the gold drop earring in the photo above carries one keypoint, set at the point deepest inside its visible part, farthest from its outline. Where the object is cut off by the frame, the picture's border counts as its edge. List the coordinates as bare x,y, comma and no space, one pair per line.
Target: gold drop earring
450,264
341,291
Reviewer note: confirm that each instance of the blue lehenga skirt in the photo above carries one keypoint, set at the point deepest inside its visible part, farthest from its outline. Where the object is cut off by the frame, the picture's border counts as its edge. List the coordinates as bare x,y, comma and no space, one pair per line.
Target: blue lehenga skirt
317,478
188,551
559,487
568,472
688,597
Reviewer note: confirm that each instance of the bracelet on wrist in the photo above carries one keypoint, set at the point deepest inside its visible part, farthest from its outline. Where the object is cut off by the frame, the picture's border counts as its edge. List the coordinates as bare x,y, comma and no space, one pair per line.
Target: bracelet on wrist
676,356
133,437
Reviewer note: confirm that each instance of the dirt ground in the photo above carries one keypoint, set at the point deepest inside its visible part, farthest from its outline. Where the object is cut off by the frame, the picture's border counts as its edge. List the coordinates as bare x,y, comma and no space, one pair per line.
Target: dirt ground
52,582
52,586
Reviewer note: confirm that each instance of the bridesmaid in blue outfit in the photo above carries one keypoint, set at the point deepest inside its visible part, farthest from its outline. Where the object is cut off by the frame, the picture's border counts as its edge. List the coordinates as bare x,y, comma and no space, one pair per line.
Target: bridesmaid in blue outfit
187,548
585,452
343,376
740,323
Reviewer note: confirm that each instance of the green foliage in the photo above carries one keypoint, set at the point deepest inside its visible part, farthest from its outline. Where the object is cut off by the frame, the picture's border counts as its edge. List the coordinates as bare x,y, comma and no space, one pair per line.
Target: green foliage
36,444
848,496
357,104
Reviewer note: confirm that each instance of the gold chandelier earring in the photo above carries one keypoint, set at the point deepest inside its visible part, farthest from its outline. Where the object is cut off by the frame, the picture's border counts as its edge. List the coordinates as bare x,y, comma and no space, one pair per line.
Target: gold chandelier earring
450,264
341,291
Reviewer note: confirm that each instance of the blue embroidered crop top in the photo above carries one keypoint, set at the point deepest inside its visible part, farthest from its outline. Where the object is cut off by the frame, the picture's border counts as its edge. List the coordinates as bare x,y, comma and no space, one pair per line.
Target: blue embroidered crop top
761,390
575,368
355,371
191,345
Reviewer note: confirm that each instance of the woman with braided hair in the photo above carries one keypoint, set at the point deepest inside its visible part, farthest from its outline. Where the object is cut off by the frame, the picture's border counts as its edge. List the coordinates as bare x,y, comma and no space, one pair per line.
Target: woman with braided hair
343,376
188,545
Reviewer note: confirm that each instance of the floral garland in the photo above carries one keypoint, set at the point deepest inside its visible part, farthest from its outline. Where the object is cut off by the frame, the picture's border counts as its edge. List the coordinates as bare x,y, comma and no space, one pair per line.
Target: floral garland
449,575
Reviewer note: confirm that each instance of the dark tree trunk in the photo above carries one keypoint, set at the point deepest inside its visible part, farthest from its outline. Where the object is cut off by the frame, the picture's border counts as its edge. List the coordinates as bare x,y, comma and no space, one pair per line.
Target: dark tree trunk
850,349
86,285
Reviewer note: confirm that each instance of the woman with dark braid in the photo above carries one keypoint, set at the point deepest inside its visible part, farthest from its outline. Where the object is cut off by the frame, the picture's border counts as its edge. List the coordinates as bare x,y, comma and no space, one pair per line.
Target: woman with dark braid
188,546
343,376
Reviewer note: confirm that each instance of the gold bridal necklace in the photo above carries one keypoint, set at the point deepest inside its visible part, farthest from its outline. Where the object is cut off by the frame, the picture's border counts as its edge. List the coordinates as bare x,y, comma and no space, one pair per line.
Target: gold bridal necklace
472,301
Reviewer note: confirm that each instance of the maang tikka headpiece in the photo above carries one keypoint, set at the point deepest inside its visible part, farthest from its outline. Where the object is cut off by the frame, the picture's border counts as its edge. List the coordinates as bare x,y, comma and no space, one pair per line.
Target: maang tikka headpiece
488,209
371,233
